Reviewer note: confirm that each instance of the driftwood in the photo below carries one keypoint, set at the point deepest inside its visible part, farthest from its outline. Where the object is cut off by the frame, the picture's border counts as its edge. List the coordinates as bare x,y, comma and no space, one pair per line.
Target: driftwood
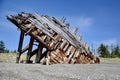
62,45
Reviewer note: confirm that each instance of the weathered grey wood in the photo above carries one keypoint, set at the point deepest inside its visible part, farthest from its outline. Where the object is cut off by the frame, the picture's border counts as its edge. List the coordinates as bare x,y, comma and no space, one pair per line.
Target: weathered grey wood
80,37
61,23
74,30
63,20
20,46
41,27
67,35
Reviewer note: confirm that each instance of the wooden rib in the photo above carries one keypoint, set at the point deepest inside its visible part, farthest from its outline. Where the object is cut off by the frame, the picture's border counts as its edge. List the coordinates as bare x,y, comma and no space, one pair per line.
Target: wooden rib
30,49
20,46
39,53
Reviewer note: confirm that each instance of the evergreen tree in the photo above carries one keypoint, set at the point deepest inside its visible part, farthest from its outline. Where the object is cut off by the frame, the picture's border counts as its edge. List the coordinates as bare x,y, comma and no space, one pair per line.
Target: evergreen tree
14,51
2,46
115,51
103,51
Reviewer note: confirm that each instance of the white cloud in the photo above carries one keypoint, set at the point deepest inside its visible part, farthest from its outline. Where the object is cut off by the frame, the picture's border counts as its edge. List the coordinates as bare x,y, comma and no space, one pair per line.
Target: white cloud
110,42
82,22
85,22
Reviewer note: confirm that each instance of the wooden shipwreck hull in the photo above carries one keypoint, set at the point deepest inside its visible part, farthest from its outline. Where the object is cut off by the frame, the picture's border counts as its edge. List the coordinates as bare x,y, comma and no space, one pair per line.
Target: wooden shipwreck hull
62,45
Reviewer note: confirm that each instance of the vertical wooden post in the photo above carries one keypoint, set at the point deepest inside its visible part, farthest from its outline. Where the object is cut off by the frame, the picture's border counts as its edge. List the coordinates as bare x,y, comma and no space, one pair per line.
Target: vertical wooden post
39,53
20,46
30,49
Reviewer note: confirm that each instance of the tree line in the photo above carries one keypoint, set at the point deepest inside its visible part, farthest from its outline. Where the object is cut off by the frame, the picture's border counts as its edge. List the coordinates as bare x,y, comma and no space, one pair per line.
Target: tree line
103,50
106,51
3,49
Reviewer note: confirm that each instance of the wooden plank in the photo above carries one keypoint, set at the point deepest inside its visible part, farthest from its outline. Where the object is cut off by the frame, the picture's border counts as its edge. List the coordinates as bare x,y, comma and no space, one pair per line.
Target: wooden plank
30,49
39,53
75,30
67,35
58,38
61,54
56,57
44,54
72,61
59,57
56,45
41,27
58,22
20,46
35,32
52,44
53,60
33,52
48,60
68,52
64,43
77,54
66,47
38,38
72,52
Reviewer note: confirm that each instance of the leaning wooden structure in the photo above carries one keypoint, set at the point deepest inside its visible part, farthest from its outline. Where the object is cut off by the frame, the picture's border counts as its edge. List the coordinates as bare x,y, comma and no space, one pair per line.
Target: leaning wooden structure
62,45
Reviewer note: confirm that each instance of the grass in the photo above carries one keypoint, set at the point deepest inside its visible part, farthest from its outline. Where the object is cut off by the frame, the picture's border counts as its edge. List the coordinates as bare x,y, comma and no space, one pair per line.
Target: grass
110,60
6,57
11,57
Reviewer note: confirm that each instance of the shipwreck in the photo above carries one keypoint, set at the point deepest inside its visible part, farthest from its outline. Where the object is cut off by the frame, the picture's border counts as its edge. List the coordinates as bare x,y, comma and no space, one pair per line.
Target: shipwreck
62,45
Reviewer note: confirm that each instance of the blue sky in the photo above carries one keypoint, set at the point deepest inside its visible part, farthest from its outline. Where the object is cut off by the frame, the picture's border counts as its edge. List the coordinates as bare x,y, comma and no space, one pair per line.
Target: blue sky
98,20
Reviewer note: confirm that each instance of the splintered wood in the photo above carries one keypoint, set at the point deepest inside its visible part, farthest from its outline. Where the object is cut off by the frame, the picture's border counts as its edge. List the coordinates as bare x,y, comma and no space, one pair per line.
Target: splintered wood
56,44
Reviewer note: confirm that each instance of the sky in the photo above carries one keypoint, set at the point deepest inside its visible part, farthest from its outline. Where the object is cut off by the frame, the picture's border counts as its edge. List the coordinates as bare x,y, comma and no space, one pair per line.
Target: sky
97,20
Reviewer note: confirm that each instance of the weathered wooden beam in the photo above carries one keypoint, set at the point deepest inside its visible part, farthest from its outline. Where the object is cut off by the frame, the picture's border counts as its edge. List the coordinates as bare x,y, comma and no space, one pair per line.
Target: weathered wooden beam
39,53
25,49
44,54
39,39
20,46
74,30
72,53
30,49
33,52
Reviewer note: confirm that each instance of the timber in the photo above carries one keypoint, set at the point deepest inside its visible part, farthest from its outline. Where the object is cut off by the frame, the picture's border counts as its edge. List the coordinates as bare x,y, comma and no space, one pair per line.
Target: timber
63,46
30,50
20,46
